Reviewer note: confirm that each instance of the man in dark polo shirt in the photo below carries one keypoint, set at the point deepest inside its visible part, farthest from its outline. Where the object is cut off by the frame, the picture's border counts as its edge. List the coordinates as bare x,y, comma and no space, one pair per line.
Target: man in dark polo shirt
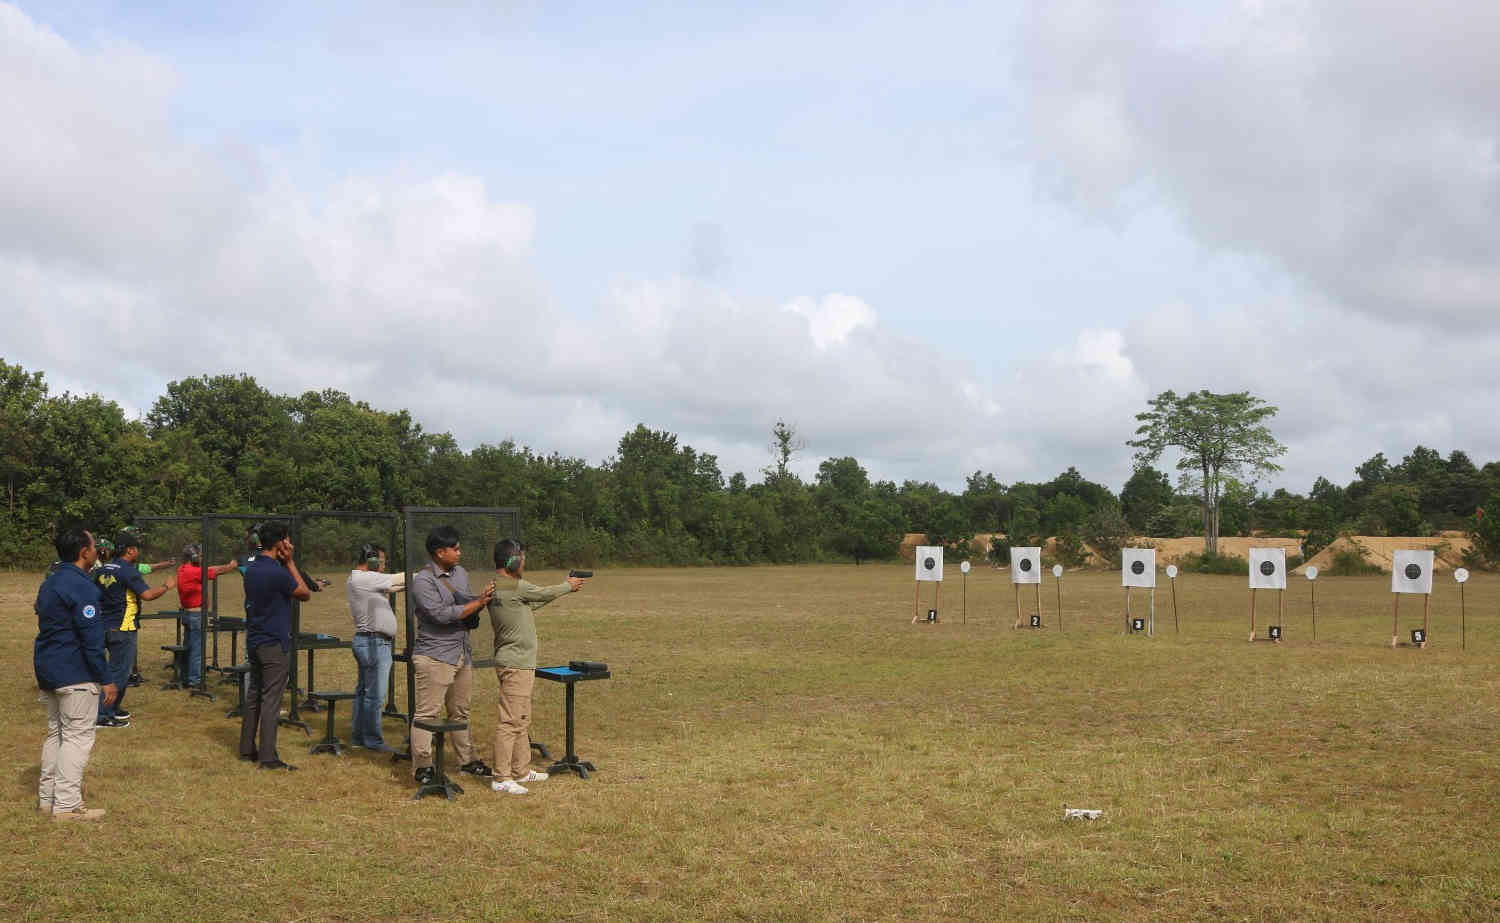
122,589
72,674
272,581
442,660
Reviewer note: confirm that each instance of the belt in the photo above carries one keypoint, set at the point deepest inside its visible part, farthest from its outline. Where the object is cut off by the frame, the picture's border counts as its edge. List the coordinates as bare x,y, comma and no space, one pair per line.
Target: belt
374,634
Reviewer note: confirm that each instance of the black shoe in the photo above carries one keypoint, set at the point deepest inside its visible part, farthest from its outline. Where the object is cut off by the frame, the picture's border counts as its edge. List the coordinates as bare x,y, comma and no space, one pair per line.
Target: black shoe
247,759
277,764
112,723
476,768
426,775
135,679
122,714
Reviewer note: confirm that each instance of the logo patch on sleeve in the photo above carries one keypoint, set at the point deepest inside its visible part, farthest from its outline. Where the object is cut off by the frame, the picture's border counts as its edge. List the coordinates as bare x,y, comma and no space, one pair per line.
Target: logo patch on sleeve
89,612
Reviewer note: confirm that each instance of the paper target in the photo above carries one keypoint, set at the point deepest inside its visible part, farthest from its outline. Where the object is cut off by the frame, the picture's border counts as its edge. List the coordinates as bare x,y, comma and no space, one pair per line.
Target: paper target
1267,568
1461,575
1411,571
1025,565
1171,571
1311,572
1057,571
930,563
964,567
1138,567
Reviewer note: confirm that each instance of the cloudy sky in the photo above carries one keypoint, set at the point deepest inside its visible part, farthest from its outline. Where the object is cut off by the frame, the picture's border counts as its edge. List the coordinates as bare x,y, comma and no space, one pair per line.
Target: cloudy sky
938,237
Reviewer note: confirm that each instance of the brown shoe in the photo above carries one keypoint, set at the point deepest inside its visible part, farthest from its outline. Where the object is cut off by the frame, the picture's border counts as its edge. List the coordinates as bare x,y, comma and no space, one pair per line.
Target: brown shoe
80,813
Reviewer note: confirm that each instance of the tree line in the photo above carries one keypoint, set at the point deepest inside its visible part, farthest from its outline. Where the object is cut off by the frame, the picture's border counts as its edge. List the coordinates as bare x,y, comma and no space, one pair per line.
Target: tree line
227,444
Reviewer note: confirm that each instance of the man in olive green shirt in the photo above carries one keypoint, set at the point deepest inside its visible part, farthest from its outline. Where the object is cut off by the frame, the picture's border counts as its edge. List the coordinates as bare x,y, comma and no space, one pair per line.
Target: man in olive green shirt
511,614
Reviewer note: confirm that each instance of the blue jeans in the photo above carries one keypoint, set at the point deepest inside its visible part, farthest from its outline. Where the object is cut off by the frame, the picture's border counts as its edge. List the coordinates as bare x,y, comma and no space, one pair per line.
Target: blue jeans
193,638
373,654
120,647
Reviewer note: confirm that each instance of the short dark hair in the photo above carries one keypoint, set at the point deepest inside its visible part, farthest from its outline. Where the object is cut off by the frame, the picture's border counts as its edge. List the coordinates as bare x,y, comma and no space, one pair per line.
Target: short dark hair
505,549
126,540
70,543
441,537
271,532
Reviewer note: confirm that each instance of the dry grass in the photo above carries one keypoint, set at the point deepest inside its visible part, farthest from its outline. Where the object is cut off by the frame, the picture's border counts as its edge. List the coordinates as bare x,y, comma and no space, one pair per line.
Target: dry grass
779,743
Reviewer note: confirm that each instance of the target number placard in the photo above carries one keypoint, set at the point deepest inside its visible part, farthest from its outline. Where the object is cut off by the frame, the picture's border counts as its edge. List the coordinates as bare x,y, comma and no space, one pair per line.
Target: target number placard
1025,565
1138,567
930,563
1411,571
1267,568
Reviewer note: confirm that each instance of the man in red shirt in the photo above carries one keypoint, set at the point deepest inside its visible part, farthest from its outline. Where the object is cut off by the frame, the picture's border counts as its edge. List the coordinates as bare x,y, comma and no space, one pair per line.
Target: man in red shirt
190,577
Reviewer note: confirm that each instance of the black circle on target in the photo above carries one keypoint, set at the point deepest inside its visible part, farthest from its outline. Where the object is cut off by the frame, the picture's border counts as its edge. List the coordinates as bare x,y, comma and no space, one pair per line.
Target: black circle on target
1268,568
928,564
1026,564
1413,572
1137,567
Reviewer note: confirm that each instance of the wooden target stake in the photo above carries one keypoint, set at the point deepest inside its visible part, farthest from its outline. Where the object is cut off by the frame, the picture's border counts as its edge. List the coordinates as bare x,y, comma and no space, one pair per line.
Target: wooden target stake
1127,610
1426,612
1039,599
1463,643
1396,619
1017,588
1252,613
1315,609
1059,603
1176,627
965,570
1280,610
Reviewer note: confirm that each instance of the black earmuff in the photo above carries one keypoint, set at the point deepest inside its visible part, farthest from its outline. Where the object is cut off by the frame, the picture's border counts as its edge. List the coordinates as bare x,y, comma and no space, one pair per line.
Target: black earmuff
512,561
369,554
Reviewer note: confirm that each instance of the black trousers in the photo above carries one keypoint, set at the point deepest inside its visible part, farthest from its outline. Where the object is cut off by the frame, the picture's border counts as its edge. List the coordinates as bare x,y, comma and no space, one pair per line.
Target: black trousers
268,670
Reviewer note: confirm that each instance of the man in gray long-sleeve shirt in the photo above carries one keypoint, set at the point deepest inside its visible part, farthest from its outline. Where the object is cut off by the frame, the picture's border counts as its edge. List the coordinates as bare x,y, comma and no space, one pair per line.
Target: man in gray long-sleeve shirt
442,661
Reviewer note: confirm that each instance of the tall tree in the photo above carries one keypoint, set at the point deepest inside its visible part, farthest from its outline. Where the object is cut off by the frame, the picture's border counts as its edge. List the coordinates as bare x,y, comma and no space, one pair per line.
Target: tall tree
1218,436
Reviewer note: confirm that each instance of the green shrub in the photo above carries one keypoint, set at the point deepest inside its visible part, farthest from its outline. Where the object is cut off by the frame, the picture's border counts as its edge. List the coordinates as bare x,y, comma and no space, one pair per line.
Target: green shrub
1231,564
1350,563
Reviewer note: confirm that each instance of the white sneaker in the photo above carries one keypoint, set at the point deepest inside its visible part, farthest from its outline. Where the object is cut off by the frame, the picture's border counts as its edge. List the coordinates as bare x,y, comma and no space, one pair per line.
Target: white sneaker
533,776
509,787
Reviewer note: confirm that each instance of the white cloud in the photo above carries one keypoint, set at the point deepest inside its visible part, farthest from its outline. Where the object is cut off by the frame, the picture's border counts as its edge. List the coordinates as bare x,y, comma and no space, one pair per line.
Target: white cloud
1351,144
832,318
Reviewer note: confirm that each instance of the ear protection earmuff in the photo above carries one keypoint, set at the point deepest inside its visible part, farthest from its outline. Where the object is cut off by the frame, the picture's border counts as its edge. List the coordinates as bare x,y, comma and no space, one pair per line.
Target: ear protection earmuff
512,561
369,554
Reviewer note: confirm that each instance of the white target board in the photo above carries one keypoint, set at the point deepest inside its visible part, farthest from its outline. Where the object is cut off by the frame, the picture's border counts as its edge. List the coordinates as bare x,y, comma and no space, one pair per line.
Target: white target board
1267,568
1138,567
1411,572
930,563
1025,565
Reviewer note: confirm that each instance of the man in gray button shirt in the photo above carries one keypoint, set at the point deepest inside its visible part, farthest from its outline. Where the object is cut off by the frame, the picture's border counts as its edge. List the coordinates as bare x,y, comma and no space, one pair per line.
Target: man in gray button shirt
442,661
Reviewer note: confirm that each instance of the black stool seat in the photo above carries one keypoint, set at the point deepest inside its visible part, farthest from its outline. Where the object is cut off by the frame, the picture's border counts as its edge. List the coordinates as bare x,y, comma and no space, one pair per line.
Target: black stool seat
438,727
329,743
439,784
179,665
239,672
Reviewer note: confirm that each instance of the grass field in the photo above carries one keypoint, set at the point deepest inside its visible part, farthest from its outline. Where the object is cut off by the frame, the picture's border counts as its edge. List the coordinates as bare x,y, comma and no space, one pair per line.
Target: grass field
780,743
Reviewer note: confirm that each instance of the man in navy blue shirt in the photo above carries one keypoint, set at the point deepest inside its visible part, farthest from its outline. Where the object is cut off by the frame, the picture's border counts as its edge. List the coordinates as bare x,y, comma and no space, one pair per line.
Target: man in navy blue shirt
122,589
272,581
71,672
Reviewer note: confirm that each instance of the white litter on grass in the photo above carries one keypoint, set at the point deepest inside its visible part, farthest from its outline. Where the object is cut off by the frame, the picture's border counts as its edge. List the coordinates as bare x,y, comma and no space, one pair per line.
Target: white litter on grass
1081,813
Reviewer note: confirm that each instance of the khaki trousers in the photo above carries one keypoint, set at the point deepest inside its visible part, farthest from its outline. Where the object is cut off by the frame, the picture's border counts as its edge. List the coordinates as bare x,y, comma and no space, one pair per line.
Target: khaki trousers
512,740
72,713
441,685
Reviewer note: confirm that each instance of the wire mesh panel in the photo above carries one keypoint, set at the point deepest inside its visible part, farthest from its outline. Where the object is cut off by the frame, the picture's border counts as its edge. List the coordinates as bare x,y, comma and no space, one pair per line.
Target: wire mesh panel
479,529
329,547
165,542
230,537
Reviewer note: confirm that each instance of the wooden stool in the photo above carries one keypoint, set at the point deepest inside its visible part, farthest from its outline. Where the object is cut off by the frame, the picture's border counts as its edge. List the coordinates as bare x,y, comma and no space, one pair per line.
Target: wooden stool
329,743
439,784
